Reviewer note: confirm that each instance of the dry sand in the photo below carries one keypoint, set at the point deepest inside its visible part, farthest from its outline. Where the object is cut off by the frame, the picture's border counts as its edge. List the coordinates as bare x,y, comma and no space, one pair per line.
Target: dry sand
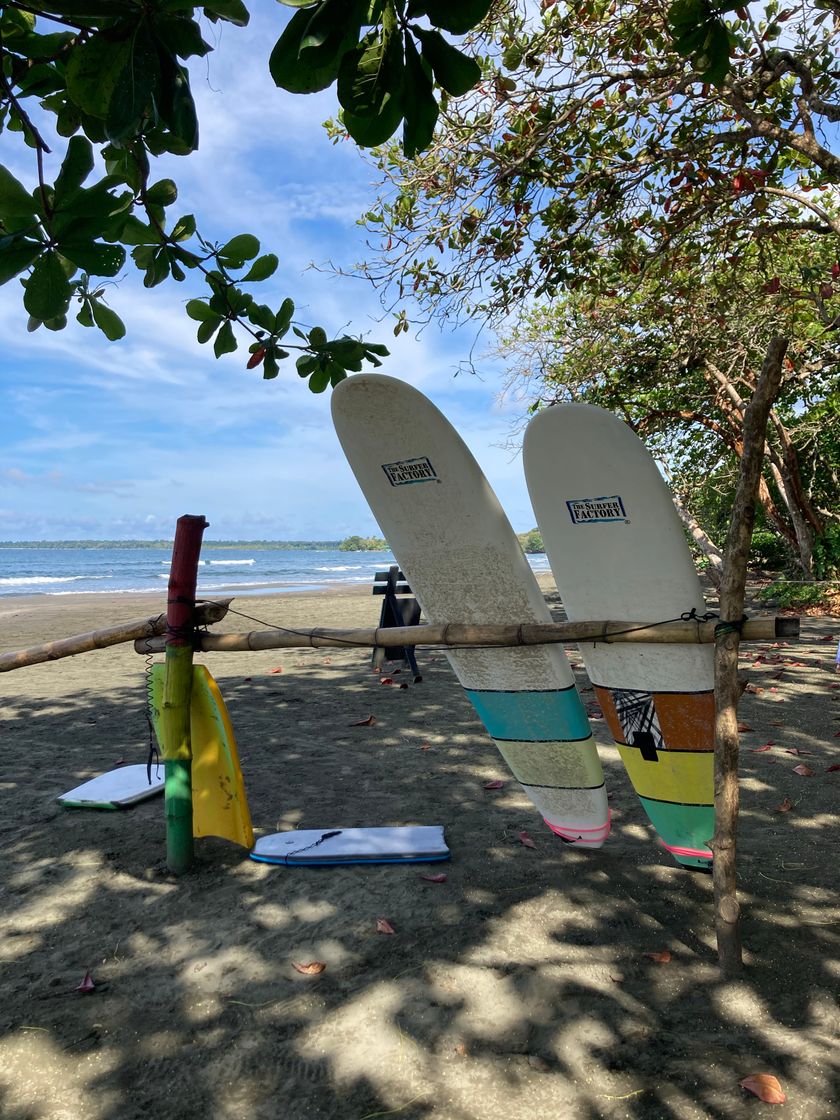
519,988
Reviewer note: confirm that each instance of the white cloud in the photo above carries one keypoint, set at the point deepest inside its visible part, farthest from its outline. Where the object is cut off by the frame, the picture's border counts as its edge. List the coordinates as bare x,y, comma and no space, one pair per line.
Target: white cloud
179,430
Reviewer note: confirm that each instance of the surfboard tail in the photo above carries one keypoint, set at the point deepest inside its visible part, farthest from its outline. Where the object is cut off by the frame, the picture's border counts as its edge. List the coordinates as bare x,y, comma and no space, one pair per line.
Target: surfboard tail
582,837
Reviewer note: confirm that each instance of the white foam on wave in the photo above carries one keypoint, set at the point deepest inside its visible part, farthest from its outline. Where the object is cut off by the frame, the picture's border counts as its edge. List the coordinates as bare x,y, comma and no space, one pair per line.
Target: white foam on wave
216,563
30,581
342,568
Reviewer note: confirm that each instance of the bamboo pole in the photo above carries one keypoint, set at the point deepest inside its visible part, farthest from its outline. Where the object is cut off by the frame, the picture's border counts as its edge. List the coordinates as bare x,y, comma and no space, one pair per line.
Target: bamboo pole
137,629
177,691
727,688
465,634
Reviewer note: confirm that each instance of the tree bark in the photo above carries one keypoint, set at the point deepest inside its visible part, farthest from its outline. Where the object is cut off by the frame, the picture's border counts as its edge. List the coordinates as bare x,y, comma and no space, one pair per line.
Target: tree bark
702,539
727,687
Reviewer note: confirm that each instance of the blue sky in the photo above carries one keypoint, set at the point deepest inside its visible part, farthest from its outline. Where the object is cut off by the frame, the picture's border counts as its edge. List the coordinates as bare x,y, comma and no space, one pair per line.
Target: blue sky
116,440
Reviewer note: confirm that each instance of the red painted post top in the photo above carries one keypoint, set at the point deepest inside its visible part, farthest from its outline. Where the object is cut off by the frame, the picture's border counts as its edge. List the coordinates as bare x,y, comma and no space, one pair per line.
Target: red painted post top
183,577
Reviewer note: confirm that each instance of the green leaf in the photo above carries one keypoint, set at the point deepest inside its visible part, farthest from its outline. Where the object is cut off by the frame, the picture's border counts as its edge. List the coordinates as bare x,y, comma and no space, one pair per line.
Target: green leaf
77,165
305,364
262,268
184,228
299,3
309,70
197,309
283,318
225,340
239,249
93,72
162,193
453,70
176,105
85,316
48,290
270,367
181,35
371,75
261,316
208,328
317,336
421,108
370,132
95,257
16,256
232,11
15,200
459,18
40,46
107,320
319,381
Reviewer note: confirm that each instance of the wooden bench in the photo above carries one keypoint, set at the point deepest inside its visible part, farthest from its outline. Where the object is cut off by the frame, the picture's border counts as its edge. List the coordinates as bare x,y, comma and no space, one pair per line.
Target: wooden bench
399,608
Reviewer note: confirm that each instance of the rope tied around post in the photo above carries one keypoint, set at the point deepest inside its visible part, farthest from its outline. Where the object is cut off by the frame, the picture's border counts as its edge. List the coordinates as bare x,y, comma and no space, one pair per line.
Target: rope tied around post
733,626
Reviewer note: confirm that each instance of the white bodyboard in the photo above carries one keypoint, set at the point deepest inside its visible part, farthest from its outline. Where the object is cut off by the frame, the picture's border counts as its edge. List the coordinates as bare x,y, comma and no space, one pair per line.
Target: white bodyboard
315,847
115,790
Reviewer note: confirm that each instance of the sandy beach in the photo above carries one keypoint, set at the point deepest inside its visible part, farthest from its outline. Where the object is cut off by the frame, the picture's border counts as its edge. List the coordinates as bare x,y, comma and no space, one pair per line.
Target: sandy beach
520,987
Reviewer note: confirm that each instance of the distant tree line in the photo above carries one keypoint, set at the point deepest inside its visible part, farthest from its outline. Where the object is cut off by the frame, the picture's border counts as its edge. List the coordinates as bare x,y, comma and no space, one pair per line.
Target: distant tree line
363,544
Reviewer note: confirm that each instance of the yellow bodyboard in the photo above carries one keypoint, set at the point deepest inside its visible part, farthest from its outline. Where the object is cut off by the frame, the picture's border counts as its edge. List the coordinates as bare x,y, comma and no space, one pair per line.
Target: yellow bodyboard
220,807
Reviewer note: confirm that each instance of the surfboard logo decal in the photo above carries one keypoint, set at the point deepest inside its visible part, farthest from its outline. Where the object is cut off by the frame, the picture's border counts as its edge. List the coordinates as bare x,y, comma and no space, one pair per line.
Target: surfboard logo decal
408,471
586,511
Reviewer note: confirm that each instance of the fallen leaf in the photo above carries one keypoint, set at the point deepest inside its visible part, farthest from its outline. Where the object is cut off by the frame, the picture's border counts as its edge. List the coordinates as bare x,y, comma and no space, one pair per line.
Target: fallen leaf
278,669
764,1086
744,727
121,761
439,878
311,969
837,734
785,806
384,926
87,985
425,746
803,770
497,784
777,723
368,721
831,769
795,750
386,680
766,747
327,661
403,684
526,840
661,957
827,638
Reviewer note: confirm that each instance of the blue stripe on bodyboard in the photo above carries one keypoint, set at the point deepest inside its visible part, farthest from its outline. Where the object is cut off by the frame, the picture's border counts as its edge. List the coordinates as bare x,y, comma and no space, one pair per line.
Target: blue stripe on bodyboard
532,717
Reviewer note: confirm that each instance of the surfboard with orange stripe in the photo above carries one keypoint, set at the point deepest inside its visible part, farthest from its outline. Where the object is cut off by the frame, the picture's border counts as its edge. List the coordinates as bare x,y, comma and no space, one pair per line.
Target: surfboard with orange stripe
617,550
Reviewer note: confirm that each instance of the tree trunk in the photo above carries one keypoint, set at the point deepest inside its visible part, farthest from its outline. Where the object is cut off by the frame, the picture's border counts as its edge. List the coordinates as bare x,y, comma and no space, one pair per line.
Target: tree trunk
727,687
703,541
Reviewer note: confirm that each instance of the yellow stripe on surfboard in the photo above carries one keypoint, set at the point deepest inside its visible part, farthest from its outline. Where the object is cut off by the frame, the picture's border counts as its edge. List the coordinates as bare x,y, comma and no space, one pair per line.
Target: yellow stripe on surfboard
682,777
220,807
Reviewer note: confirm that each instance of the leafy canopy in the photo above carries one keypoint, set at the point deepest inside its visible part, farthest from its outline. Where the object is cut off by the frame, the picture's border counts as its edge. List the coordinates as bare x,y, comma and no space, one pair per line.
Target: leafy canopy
97,90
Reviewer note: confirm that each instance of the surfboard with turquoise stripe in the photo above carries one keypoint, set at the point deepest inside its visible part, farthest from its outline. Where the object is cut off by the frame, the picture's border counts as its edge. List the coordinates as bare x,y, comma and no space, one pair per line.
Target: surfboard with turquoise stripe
464,563
618,551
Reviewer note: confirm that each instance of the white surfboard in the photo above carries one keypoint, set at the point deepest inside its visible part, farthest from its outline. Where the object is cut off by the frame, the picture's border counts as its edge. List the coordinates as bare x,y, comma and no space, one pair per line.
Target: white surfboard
464,563
618,551
117,789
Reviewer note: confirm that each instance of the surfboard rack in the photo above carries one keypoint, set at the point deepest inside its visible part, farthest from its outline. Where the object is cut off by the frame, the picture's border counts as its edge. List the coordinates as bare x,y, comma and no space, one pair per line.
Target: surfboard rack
694,632
399,609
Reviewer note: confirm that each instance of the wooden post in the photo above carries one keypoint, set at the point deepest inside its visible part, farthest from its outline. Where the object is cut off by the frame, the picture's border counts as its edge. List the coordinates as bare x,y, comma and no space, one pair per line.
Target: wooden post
727,688
177,691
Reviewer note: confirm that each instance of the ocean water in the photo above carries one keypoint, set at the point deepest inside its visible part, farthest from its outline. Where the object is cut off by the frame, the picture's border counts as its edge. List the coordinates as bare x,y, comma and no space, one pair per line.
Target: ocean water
30,570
